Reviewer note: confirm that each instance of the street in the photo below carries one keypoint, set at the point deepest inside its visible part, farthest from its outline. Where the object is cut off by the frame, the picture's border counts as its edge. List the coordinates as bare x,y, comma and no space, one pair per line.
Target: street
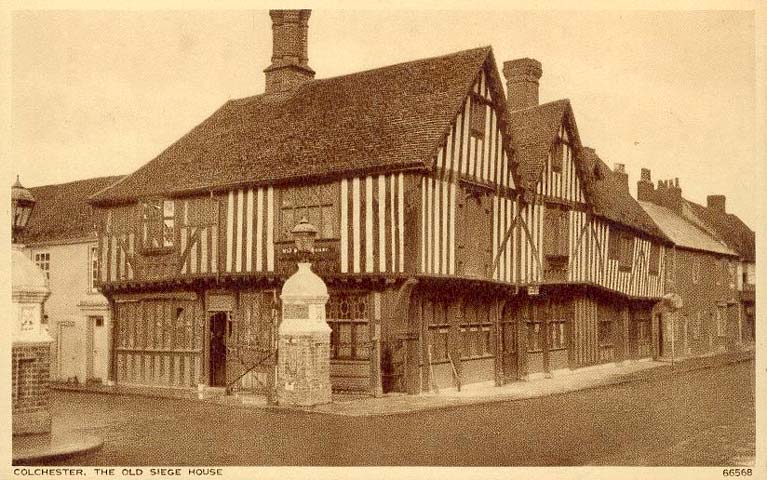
701,417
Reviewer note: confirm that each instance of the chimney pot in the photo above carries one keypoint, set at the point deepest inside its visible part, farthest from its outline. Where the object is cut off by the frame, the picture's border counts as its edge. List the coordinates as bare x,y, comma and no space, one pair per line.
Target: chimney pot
619,167
522,76
717,202
646,175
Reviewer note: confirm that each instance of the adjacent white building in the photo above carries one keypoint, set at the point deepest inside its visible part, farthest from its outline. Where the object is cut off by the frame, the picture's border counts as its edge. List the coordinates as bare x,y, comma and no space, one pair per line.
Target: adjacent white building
61,240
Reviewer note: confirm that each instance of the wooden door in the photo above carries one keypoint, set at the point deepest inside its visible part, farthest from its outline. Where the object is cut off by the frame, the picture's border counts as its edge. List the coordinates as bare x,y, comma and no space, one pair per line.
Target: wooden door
99,348
218,326
69,346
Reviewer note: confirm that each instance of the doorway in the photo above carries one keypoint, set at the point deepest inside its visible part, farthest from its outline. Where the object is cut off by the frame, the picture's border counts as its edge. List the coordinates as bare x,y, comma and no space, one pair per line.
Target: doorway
219,324
659,322
510,344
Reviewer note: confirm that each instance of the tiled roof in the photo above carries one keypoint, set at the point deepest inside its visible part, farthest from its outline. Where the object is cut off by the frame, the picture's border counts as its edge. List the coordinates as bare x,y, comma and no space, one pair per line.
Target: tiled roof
730,228
62,211
533,131
611,197
683,232
377,120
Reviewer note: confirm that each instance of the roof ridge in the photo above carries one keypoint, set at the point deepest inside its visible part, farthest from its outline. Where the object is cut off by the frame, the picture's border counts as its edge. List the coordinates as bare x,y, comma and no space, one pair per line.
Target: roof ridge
82,180
547,104
486,48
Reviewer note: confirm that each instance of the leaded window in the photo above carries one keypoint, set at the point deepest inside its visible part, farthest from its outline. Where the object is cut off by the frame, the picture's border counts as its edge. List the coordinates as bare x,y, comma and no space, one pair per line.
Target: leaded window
316,203
158,224
347,314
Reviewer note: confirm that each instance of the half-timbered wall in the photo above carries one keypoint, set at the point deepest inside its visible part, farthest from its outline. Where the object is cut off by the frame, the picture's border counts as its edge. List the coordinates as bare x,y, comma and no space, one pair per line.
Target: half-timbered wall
559,178
372,224
249,231
159,341
477,153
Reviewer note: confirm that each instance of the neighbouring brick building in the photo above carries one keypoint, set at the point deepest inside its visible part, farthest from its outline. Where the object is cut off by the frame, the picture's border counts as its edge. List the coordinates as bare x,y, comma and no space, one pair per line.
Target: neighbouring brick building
701,269
740,238
60,239
474,238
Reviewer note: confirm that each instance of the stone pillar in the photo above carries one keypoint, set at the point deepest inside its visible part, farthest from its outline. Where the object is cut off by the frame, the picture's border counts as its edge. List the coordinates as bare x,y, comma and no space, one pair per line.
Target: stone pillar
30,368
303,370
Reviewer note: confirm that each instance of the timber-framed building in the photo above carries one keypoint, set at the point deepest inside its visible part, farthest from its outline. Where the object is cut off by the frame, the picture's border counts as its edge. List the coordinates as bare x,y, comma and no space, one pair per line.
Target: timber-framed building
463,237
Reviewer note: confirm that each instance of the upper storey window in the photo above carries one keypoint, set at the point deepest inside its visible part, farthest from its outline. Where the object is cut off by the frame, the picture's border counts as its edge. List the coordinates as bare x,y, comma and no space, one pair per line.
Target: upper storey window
654,262
316,203
477,117
158,224
559,150
621,248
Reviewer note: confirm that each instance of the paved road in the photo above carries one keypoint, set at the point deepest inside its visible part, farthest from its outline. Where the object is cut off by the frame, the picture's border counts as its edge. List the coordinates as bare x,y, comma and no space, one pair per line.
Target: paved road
703,417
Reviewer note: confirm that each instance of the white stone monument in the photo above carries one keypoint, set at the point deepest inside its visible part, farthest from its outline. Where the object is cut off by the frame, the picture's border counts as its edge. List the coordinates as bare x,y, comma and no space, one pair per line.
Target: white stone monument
303,367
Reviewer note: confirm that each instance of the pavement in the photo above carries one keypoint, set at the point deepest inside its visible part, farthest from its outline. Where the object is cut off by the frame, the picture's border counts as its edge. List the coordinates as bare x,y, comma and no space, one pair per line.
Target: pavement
360,405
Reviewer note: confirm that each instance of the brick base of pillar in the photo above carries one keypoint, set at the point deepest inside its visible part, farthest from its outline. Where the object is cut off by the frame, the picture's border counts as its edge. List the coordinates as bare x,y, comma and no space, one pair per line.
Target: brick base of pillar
304,369
30,388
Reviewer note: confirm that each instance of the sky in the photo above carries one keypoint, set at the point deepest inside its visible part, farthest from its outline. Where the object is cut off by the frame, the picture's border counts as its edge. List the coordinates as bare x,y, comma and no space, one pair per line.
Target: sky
102,92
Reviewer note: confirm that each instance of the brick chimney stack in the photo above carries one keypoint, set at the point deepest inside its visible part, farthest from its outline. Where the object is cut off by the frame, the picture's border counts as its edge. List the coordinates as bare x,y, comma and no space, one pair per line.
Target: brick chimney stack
289,68
668,194
645,188
717,203
619,169
522,77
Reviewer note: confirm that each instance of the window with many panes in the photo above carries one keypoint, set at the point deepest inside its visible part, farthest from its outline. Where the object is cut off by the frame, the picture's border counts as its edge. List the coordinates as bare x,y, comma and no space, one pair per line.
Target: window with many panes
654,260
477,117
605,332
316,203
475,331
556,232
721,322
158,224
557,319
534,335
347,315
93,263
436,313
621,248
43,262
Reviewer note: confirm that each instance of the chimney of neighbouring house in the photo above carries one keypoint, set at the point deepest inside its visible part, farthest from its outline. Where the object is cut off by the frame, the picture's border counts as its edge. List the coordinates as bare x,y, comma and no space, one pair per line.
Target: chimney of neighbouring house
619,169
645,188
289,68
716,202
669,195
522,77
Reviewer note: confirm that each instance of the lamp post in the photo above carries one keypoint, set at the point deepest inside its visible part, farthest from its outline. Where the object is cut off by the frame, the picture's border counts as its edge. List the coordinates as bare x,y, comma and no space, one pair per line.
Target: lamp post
22,203
304,234
31,343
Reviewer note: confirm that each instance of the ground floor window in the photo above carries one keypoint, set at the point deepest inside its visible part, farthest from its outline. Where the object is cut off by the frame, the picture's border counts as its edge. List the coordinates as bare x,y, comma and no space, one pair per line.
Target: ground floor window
475,331
721,322
534,336
347,315
605,332
435,313
557,339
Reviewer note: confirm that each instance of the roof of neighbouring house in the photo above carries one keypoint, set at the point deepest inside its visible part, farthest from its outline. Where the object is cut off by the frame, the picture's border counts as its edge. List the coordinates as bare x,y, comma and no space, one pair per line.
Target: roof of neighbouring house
610,195
730,228
683,232
389,118
533,131
62,211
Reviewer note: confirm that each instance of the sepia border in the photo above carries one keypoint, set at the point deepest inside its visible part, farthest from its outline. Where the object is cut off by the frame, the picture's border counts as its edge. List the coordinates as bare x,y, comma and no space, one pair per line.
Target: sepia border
760,159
